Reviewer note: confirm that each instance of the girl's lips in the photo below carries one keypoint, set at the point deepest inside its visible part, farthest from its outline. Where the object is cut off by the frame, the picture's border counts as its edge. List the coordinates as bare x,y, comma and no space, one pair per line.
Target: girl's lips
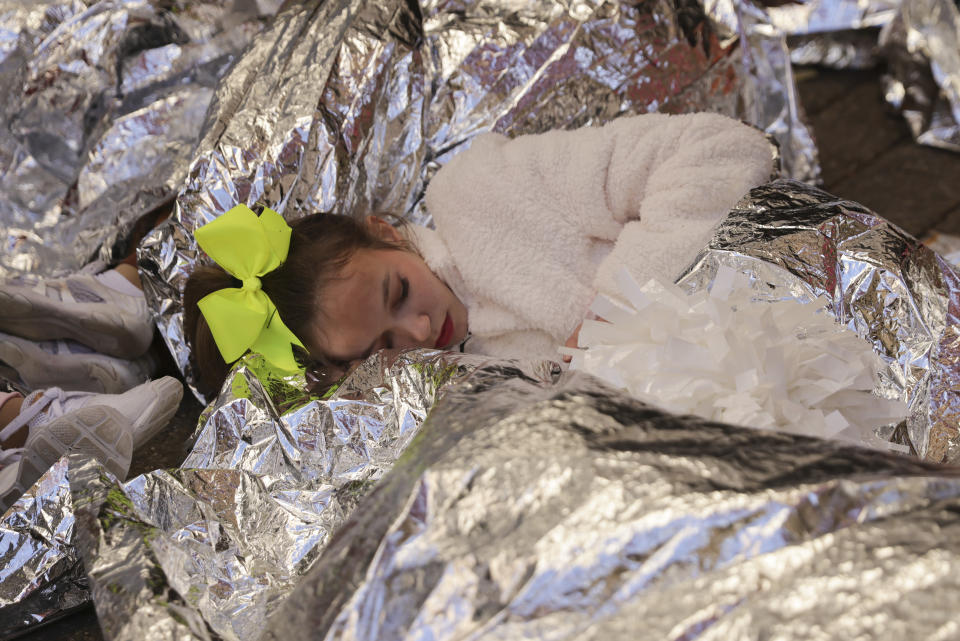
446,332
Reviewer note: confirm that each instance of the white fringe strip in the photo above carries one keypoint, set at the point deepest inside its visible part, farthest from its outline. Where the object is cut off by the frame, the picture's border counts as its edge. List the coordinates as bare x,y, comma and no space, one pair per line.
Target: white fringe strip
722,355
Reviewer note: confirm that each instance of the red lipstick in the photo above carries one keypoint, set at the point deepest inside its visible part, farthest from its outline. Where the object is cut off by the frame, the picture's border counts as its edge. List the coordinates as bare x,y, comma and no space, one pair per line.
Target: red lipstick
446,333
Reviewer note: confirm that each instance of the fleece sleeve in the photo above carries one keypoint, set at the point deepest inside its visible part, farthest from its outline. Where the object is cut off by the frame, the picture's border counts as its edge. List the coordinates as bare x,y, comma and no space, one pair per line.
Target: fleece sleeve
527,219
700,166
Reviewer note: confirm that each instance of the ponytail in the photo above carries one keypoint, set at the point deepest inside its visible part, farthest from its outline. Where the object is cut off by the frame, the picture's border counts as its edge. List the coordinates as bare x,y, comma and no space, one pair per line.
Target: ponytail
209,368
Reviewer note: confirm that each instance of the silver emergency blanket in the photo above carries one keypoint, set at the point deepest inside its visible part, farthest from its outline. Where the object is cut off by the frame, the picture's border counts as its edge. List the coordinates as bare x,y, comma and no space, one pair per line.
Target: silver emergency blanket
922,48
217,545
823,16
841,34
534,504
799,242
918,40
770,95
350,106
343,106
569,511
41,574
102,105
296,462
103,102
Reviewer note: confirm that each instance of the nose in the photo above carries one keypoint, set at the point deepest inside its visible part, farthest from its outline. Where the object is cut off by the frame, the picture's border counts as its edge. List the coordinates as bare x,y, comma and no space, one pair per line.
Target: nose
416,328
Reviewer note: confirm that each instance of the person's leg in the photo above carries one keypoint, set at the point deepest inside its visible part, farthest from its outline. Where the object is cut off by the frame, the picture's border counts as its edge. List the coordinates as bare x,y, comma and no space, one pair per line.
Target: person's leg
130,273
105,312
10,403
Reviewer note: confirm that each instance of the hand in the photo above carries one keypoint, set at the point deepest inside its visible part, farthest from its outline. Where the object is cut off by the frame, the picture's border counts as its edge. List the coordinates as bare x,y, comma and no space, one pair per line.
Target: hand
572,341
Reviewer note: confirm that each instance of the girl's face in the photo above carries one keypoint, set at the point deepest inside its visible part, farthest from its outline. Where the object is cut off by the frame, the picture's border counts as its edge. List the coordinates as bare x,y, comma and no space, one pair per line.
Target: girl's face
386,298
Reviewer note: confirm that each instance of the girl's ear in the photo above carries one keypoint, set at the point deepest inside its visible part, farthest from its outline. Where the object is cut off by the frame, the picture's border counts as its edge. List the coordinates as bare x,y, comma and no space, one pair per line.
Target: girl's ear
383,230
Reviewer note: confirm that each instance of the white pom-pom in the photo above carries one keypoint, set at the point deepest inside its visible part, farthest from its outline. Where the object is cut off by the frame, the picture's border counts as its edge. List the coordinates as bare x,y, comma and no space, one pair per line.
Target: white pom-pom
725,356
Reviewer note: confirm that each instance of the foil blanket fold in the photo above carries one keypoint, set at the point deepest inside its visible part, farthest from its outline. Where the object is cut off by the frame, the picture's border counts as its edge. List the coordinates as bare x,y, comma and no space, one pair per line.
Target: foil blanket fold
569,511
917,40
922,48
103,103
527,502
351,106
334,105
796,241
214,547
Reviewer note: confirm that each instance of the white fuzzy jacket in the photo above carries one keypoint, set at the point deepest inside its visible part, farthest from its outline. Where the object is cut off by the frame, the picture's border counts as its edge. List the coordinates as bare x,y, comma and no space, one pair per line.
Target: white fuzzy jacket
529,230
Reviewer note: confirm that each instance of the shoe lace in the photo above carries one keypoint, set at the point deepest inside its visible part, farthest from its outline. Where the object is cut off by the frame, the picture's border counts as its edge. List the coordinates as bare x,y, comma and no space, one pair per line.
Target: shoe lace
52,401
92,268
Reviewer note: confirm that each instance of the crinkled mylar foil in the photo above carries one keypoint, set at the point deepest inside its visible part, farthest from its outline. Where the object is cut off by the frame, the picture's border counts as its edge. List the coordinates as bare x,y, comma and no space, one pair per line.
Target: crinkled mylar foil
350,106
103,102
922,48
571,511
345,106
102,105
210,550
768,91
799,242
841,34
836,49
41,574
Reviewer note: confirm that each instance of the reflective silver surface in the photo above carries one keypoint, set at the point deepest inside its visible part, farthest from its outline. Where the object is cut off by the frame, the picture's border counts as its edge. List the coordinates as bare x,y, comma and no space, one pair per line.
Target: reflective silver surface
535,505
922,48
346,106
837,49
103,102
824,16
841,34
569,511
219,543
102,105
41,575
768,90
881,283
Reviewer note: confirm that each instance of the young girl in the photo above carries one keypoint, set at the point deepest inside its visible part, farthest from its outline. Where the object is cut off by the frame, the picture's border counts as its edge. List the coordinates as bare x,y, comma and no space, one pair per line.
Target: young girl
528,231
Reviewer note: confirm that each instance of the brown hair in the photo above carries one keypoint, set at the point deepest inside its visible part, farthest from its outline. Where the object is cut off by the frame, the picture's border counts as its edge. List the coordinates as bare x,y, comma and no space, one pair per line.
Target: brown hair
320,246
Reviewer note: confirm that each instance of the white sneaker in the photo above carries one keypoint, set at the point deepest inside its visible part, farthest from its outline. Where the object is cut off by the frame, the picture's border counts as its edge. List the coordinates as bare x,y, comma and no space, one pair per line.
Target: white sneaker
147,407
71,366
98,431
11,486
78,307
106,426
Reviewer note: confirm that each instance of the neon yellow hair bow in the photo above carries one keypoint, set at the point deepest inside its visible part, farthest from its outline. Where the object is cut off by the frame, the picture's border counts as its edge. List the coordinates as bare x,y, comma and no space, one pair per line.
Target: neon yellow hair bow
247,246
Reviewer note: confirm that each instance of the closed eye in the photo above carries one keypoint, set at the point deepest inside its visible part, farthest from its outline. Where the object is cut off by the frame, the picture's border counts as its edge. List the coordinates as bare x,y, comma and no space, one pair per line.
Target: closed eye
387,340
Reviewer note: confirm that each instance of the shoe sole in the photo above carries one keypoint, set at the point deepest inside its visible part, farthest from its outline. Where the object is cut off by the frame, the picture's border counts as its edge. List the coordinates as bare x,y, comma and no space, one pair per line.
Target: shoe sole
36,317
81,372
168,392
98,431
